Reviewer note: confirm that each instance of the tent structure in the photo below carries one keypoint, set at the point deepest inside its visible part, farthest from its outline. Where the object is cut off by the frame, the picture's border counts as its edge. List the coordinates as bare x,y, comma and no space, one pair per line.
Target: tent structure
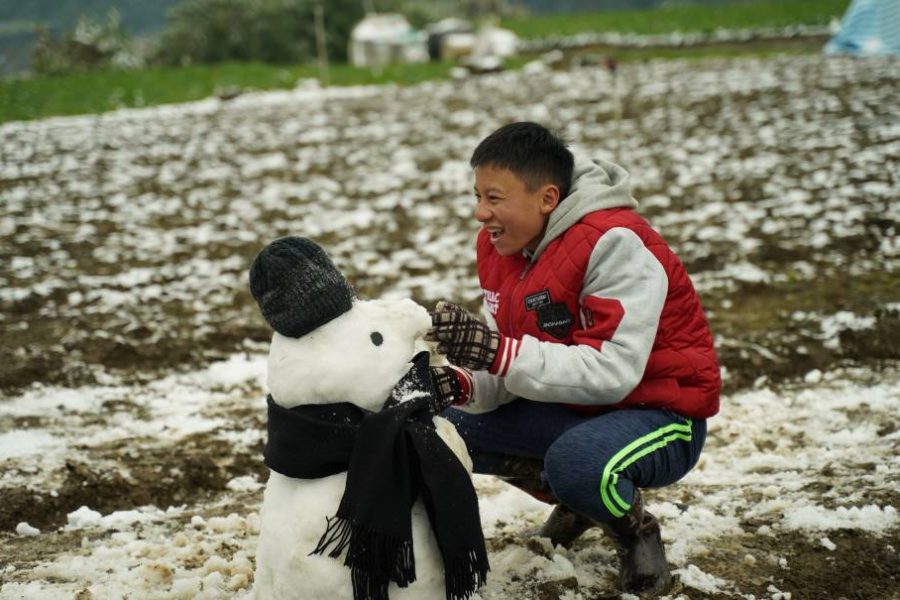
382,39
869,27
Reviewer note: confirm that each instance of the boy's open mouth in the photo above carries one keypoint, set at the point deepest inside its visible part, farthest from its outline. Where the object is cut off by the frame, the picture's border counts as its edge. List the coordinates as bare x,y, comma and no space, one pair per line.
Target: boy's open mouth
495,233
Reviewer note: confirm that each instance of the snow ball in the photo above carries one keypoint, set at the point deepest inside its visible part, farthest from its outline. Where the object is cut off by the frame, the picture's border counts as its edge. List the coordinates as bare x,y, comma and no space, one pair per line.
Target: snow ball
771,491
827,543
84,517
241,565
814,376
693,576
749,559
245,483
198,522
778,594
231,523
238,582
215,564
236,370
533,67
26,530
186,589
252,521
214,581
559,568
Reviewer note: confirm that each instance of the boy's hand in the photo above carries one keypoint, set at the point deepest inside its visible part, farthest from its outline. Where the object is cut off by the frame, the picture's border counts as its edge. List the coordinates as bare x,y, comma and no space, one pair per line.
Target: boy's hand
462,337
453,386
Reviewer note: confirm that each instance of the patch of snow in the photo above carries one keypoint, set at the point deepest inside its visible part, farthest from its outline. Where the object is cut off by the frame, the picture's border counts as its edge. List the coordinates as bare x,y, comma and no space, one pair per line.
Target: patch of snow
871,518
692,576
26,530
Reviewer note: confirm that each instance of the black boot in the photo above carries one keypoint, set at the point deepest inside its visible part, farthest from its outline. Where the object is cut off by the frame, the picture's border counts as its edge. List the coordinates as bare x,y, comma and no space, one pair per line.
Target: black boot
642,559
525,474
564,526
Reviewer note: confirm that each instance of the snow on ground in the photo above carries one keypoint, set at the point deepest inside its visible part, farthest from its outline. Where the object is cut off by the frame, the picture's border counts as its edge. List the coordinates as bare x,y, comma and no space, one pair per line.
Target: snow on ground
758,479
132,356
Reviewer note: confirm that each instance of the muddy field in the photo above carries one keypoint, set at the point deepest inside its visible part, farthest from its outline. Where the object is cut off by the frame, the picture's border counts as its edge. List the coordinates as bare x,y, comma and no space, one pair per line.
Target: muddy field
132,362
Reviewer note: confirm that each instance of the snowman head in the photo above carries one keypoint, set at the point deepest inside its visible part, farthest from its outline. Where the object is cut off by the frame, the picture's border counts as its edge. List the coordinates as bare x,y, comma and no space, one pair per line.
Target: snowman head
358,357
328,346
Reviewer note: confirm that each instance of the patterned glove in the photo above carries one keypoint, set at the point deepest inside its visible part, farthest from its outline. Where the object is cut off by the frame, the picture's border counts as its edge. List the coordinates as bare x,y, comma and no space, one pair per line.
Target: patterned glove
462,337
453,386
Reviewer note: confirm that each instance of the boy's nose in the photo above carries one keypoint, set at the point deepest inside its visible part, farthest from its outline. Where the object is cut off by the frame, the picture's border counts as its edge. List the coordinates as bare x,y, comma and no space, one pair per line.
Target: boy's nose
482,214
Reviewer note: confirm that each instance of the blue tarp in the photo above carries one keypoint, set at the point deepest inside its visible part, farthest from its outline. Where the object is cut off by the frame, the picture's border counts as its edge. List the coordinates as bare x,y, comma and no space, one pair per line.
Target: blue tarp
869,27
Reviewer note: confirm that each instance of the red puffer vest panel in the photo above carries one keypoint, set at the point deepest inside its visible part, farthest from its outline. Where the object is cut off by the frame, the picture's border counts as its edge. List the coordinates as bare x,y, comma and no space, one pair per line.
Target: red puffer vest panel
682,372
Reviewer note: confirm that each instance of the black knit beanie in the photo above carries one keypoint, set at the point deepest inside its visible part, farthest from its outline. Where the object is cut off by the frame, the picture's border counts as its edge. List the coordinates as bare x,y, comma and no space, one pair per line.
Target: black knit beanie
297,286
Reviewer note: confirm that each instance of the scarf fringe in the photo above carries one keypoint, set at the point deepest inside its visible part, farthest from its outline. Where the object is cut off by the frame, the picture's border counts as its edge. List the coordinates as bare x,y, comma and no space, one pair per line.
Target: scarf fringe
337,533
374,559
466,574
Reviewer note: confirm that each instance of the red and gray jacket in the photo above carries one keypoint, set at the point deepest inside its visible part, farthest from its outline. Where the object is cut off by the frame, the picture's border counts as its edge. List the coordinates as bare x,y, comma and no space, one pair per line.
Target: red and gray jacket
602,315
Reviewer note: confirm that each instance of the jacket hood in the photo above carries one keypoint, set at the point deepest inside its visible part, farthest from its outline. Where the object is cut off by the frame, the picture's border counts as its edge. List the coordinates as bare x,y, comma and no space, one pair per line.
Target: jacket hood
596,185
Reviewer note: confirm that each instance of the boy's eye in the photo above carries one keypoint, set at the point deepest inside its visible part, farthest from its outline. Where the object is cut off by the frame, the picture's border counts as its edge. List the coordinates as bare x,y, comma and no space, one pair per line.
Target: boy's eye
377,338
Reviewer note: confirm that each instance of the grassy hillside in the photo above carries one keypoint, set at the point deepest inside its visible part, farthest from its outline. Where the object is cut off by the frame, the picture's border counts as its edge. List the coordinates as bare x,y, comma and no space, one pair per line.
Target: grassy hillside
683,18
31,98
101,91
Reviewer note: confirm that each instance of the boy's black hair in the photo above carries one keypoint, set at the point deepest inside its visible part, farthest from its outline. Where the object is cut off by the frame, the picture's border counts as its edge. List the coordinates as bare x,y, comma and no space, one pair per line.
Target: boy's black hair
529,150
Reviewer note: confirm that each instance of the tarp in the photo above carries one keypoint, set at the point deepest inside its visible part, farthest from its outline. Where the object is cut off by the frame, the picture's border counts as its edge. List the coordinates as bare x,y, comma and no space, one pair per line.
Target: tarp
869,27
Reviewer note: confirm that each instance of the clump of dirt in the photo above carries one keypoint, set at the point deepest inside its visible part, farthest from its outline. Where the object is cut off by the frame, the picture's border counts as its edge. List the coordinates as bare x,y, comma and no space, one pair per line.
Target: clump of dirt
760,333
860,567
117,479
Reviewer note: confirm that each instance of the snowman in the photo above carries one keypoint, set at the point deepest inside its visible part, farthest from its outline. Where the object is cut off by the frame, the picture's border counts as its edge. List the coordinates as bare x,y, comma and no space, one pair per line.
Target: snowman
370,495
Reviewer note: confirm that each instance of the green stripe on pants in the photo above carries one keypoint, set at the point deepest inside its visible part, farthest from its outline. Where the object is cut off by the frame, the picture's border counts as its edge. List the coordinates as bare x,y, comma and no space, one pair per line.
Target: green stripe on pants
631,453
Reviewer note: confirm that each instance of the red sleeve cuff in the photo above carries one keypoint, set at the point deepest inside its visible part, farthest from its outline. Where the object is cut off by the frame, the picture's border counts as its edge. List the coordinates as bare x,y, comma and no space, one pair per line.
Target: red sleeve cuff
465,385
506,353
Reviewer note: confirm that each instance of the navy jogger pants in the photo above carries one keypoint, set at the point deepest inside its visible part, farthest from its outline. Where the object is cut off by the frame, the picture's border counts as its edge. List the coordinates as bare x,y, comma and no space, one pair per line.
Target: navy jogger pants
592,463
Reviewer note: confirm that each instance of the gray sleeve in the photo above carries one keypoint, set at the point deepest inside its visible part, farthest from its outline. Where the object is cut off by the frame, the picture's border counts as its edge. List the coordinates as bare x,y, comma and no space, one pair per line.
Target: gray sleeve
620,270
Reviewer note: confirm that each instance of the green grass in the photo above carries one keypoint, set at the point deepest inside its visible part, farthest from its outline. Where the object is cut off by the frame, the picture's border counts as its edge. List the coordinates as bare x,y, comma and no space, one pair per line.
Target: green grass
100,91
725,50
743,15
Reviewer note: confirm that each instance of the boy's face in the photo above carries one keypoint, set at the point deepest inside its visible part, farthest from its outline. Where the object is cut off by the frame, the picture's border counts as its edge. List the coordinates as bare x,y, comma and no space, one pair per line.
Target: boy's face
514,216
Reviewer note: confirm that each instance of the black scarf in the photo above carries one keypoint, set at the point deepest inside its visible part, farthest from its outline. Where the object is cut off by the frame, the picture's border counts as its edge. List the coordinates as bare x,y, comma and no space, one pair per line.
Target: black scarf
391,457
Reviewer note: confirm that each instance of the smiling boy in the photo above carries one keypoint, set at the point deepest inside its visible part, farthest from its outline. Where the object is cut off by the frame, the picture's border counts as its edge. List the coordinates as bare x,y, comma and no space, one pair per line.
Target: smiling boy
595,372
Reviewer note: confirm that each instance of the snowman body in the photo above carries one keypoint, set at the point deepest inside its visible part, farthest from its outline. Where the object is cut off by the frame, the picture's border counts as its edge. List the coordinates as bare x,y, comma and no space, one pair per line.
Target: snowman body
358,358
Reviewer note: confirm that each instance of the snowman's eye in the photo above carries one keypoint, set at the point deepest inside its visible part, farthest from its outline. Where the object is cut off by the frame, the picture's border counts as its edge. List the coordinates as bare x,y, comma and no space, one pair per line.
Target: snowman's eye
377,338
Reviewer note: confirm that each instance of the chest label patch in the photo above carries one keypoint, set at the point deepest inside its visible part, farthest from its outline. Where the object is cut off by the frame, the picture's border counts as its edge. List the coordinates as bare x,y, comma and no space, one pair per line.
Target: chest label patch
555,319
537,300
491,300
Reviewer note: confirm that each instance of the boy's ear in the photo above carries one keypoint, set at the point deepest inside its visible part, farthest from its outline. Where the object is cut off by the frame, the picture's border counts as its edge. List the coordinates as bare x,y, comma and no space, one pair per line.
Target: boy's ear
549,198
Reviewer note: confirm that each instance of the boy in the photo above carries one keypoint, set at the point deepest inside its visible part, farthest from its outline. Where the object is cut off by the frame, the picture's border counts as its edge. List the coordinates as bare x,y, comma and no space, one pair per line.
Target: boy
596,371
